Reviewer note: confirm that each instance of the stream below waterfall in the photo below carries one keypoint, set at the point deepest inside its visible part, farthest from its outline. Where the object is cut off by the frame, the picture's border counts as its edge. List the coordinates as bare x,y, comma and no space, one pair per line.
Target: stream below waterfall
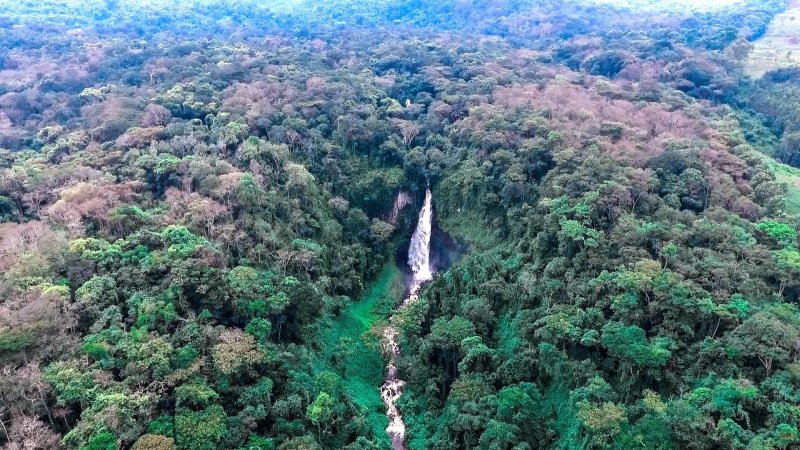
419,260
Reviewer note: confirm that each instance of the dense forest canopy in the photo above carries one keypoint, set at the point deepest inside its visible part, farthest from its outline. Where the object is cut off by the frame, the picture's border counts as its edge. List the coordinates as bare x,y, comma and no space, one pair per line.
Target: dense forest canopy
197,249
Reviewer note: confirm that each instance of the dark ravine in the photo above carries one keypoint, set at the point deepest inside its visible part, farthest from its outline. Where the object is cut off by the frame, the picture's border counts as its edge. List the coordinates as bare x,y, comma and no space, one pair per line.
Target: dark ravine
419,261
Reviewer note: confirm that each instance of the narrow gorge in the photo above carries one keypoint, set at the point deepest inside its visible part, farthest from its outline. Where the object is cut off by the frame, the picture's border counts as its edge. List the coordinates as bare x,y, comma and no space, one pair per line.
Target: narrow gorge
419,261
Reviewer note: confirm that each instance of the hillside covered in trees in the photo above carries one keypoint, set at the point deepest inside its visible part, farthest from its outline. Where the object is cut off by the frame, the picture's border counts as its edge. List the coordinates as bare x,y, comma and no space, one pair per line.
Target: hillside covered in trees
198,251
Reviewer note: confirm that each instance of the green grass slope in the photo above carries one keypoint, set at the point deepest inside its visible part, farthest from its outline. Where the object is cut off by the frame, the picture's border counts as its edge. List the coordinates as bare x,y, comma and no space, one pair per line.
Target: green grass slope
352,348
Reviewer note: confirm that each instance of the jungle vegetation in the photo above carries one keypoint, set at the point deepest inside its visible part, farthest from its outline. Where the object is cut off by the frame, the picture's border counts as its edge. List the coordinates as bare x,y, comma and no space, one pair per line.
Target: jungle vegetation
195,252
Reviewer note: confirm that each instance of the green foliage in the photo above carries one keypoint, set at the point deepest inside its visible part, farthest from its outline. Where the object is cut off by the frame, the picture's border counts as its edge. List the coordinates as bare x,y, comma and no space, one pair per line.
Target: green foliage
259,443
782,233
163,425
72,383
788,260
15,340
629,343
320,411
182,242
260,329
194,395
200,430
102,441
352,349
196,242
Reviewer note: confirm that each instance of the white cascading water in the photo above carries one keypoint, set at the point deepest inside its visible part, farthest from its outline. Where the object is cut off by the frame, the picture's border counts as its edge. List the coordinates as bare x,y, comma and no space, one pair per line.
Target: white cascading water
419,259
419,253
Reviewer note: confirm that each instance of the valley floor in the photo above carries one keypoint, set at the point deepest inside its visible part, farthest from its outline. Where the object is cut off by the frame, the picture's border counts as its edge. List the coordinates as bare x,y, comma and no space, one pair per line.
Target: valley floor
352,334
780,45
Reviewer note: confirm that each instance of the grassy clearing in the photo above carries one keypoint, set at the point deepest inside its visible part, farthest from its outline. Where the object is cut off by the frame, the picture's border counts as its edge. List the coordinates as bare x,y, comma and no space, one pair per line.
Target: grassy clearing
791,177
780,45
348,337
766,141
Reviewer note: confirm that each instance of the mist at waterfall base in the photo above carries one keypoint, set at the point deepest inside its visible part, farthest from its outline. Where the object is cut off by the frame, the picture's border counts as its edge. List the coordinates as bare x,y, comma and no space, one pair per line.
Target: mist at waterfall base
444,250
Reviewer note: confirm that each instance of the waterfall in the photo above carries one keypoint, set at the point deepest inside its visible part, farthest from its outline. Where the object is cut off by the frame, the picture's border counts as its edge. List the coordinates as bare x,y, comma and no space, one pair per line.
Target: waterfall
419,259
419,253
